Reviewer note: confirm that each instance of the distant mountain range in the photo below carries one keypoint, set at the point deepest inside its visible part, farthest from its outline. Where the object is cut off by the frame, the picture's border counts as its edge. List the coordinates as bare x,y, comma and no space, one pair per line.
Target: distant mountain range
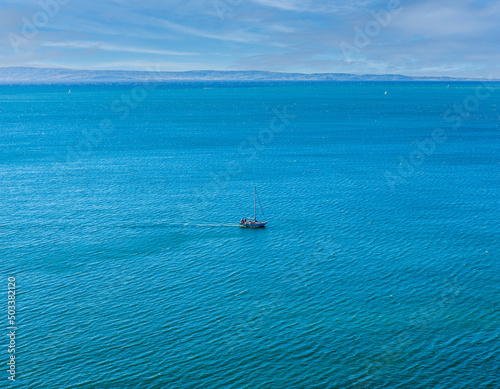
26,75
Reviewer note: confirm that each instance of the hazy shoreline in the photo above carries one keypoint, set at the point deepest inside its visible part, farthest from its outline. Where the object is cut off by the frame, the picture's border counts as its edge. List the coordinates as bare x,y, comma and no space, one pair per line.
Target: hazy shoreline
25,75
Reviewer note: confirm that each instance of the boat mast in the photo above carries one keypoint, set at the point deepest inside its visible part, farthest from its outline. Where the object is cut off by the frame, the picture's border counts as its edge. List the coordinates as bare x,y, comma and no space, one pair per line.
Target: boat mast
254,204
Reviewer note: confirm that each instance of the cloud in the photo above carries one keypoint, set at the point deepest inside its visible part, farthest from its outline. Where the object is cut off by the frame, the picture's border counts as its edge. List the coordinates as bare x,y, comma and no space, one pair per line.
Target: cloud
309,5
147,66
240,35
110,47
441,19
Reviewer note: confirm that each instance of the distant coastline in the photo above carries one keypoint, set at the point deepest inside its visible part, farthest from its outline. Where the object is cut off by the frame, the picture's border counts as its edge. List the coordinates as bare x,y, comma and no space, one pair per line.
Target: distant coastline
27,75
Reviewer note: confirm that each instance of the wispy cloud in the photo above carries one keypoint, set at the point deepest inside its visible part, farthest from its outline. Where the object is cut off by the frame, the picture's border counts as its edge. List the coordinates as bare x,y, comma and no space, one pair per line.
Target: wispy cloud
110,47
148,65
239,35
289,5
309,5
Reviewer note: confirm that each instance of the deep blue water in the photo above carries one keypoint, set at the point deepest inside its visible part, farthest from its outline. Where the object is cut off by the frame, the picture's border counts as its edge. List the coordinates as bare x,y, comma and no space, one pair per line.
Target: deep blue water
379,267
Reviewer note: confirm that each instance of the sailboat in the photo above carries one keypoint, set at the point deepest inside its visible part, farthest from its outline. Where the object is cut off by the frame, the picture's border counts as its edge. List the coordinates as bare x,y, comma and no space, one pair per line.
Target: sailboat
253,223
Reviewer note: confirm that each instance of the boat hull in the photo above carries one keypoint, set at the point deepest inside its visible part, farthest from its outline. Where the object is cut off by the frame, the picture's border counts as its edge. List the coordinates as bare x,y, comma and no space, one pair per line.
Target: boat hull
253,224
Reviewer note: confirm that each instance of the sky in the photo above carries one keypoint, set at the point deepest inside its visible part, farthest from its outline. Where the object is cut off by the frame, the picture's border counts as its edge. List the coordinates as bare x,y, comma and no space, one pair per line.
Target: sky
456,38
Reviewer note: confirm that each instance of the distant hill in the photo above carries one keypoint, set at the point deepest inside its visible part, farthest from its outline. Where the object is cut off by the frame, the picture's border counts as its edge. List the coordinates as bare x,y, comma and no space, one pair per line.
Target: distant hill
26,75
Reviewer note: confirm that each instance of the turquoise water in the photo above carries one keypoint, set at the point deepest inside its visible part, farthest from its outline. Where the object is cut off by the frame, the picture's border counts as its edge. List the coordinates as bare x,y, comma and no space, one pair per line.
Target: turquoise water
379,267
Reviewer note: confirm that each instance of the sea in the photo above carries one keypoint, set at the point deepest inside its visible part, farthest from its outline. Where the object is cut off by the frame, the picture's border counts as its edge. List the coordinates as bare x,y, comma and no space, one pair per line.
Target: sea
378,268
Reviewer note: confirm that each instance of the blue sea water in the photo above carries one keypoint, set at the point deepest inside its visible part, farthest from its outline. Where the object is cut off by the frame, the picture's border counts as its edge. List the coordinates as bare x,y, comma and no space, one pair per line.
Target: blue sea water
379,267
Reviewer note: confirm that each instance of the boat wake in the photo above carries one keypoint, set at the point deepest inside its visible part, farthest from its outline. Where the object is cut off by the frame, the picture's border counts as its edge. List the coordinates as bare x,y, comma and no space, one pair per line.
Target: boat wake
167,225
210,225
199,225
